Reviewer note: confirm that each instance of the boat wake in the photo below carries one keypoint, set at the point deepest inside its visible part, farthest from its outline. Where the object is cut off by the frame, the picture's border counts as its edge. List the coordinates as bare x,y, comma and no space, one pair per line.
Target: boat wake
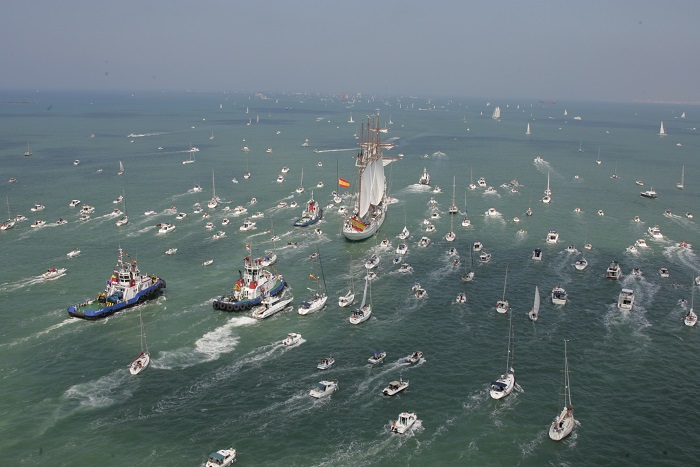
28,282
682,256
103,392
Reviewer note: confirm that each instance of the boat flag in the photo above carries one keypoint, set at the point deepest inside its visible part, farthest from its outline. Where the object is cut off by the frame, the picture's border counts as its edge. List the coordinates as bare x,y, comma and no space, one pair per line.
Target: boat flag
344,183
312,276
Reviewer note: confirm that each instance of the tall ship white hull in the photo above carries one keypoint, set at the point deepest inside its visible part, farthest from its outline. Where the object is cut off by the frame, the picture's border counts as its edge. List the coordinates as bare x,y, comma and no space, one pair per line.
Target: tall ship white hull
370,207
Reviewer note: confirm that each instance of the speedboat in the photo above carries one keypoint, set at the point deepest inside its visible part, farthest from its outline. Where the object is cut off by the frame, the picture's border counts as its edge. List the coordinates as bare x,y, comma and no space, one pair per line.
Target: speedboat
552,236
405,268
123,221
285,169
239,210
414,357
270,305
74,203
38,207
626,299
601,212
404,422
148,213
165,227
452,251
637,219
372,262
218,235
649,194
663,272
53,273
481,182
257,215
209,225
377,357
613,272
325,363
492,213
73,253
171,251
425,178
424,241
484,257
208,262
323,389
490,191
571,249
430,228
537,254
655,232
247,225
641,243
221,458
395,387
437,189
559,295
118,199
477,246
292,338
38,223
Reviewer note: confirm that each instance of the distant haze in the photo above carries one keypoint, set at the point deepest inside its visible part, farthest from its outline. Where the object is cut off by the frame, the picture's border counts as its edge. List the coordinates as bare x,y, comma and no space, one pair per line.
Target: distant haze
588,50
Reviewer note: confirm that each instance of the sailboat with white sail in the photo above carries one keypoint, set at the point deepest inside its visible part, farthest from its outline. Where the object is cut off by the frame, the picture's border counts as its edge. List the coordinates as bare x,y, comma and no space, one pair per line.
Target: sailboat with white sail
246,174
121,168
365,311
502,305
496,115
680,185
144,358
9,223
598,160
468,276
534,313
563,424
301,186
320,296
504,385
662,130
527,132
214,201
370,208
125,218
465,221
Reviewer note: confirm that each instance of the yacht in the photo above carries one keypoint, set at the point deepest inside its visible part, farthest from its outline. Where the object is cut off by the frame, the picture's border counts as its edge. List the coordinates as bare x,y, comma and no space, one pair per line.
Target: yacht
559,295
484,257
613,272
361,314
663,272
537,254
641,243
165,227
404,422
395,387
291,339
477,246
247,225
649,193
626,300
323,389
552,236
221,458
269,305
74,203
325,363
373,261
425,178
377,357
655,232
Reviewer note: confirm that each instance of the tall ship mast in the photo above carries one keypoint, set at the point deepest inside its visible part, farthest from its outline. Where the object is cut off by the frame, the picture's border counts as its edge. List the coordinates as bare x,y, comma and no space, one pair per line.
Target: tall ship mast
369,211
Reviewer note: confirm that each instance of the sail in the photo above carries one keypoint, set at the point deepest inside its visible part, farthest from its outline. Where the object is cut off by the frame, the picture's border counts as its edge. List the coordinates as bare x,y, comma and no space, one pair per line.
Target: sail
496,113
527,132
662,131
366,181
364,294
378,182
536,305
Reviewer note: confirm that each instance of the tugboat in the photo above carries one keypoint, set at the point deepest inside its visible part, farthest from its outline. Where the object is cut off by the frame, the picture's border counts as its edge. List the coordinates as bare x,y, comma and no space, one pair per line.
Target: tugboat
311,214
127,287
253,283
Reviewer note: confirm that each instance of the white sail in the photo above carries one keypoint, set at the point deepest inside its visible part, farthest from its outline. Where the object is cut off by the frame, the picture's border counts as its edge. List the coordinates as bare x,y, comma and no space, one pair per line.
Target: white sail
496,113
366,189
377,182
527,132
662,131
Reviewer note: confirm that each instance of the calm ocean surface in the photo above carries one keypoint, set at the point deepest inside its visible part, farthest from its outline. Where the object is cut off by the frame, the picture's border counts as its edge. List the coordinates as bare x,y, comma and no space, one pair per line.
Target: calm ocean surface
220,379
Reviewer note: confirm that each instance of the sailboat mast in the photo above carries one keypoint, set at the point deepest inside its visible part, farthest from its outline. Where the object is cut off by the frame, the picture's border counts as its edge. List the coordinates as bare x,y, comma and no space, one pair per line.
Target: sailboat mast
323,277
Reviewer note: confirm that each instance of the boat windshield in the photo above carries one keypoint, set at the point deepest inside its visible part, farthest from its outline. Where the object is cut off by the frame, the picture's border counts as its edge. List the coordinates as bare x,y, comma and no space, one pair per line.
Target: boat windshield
498,386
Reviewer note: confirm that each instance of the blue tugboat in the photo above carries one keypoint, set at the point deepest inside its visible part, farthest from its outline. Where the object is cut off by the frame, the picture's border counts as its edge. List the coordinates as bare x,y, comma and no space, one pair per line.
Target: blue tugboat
252,285
127,287
311,214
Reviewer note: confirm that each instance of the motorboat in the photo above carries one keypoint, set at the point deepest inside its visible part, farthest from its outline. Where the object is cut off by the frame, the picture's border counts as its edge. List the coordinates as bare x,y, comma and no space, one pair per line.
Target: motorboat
481,182
209,225
663,272
461,297
641,243
404,422
38,223
601,212
613,272
165,227
484,257
625,300
491,212
378,356
405,268
221,458
637,219
171,251
437,189
552,236
637,272
490,191
118,199
414,357
650,193
477,246
395,387
247,225
373,261
208,262
581,264
122,221
631,249
73,253
292,339
74,203
385,243
537,254
655,232
425,177
270,305
53,273
571,249
218,235
285,169
181,215
325,363
239,211
38,207
559,295
452,251
424,242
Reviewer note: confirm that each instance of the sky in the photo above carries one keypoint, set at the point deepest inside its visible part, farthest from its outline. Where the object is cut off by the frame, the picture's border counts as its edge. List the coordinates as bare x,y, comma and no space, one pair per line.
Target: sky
603,50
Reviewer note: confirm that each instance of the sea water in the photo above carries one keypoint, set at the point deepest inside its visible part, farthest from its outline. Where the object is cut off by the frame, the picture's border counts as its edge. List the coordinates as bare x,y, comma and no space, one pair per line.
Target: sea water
221,379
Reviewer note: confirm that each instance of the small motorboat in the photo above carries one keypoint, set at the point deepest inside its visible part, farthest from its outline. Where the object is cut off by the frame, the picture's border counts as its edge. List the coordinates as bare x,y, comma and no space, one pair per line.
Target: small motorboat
292,339
53,273
405,268
38,207
477,246
484,257
404,422
372,262
537,254
414,357
395,387
461,298
221,458
208,262
73,253
171,251
323,389
325,363
377,357
424,242
74,203
559,295
663,272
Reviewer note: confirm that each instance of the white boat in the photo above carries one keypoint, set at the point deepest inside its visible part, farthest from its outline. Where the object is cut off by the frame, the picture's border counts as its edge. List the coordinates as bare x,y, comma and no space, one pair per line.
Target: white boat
171,251
402,249
650,193
363,313
291,339
502,304
625,301
424,242
662,130
165,227
38,223
680,185
527,132
121,168
73,253
559,295
505,383
280,178
320,296
378,356
38,207
9,223
373,261
613,272
269,305
534,313
218,235
403,423
691,318
208,262
53,273
419,291
214,201
28,152
481,182
325,363
461,298
191,160
655,232
490,191
370,208
484,257
547,191
663,272
563,424
496,115
453,208
144,358
221,458
247,225
425,177
537,254
552,236
468,275
385,243
414,357
395,387
491,212
581,264
74,203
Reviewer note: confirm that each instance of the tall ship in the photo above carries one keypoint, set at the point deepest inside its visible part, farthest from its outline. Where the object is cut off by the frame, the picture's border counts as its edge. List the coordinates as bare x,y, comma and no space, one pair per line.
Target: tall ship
252,285
127,287
370,206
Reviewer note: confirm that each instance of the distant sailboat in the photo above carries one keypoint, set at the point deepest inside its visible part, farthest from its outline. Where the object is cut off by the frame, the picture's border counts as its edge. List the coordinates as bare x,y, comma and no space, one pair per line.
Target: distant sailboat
28,152
535,312
580,145
350,120
681,185
527,132
598,161
563,424
121,168
502,305
565,113
662,130
214,201
301,186
496,113
144,358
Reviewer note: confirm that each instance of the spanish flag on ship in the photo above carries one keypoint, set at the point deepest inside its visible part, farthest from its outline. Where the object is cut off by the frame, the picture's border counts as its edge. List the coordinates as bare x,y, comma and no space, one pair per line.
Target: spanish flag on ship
344,183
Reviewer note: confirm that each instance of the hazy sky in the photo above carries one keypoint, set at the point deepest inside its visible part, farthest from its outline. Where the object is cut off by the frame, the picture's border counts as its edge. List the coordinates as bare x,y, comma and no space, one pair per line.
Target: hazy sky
583,49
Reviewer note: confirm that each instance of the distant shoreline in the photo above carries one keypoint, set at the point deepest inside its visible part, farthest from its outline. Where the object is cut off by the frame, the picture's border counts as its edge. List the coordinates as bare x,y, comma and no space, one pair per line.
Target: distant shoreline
15,102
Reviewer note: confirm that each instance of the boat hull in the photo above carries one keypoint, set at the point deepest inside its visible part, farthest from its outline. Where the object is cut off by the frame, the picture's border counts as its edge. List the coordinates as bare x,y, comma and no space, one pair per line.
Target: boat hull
373,226
227,303
85,311
306,221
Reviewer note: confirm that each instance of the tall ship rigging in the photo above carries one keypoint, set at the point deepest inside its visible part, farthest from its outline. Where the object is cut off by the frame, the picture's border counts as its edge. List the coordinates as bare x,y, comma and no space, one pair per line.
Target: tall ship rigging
369,211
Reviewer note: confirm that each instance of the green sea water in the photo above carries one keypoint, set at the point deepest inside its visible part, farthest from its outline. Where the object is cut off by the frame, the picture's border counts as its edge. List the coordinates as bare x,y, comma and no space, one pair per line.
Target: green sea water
218,379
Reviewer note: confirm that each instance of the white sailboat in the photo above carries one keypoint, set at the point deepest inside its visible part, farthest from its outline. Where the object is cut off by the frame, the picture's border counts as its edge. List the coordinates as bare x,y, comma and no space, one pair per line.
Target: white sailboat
472,185
125,218
598,161
9,223
496,115
506,382
301,186
121,168
502,305
191,160
527,132
662,130
563,423
681,184
534,314
548,191
370,208
365,310
468,276
349,297
144,358
319,298
465,221
246,174
214,201
350,120
691,318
